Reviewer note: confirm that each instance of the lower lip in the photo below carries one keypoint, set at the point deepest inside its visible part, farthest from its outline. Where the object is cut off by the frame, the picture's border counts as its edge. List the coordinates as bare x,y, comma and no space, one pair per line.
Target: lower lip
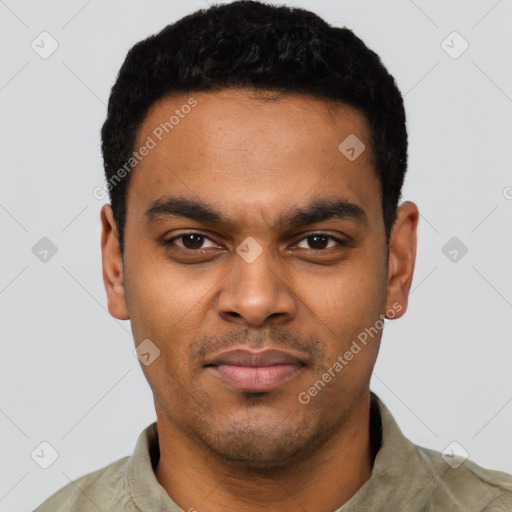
256,378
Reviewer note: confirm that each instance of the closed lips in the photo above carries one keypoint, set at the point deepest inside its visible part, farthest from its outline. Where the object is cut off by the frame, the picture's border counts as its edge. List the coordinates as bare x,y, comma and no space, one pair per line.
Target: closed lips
251,371
249,358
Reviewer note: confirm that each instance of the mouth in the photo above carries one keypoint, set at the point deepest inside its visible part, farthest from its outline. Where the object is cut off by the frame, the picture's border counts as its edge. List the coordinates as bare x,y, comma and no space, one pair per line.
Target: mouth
256,371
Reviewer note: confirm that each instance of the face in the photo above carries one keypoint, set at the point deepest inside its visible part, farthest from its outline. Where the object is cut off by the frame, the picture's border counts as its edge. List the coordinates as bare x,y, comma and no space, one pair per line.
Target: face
255,257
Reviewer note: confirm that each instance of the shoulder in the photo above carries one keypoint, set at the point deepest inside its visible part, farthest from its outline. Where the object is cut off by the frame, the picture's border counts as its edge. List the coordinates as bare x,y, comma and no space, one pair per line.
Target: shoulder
90,492
466,486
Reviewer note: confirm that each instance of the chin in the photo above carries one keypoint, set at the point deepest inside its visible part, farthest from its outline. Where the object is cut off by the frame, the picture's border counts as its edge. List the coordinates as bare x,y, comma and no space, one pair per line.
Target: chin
261,447
255,453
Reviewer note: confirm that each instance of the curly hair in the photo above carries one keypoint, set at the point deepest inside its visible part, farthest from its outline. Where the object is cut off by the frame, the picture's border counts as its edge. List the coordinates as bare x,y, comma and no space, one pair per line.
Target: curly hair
250,44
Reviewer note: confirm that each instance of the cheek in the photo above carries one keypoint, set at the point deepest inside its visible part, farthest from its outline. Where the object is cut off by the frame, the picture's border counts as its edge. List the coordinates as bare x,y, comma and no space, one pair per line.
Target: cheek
163,310
160,296
358,285
168,308
349,301
349,324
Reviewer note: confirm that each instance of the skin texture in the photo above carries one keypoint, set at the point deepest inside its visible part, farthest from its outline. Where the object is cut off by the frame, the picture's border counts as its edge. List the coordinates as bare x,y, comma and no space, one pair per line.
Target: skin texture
254,160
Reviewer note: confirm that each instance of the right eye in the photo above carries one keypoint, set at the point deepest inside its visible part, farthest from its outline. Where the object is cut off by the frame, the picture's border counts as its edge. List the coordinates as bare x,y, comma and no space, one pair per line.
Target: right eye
191,241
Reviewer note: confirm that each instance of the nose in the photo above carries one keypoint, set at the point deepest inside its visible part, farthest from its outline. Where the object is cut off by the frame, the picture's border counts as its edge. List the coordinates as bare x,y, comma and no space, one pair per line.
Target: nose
256,292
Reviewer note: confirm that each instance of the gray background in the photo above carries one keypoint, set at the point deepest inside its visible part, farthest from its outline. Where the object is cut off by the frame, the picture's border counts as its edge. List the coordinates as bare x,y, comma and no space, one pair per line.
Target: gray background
67,372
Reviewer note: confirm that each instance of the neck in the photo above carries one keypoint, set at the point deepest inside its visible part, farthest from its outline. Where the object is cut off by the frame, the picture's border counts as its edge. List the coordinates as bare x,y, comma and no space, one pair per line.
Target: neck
198,481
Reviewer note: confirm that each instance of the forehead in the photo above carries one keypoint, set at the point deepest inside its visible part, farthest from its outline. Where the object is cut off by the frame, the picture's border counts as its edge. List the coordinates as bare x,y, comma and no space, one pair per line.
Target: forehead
246,153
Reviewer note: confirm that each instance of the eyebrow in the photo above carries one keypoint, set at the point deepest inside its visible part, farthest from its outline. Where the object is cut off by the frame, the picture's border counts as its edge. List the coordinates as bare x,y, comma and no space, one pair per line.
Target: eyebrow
320,209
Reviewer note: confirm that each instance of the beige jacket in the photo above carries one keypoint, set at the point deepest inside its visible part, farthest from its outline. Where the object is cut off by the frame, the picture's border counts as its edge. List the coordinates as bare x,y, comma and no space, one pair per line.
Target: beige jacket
405,478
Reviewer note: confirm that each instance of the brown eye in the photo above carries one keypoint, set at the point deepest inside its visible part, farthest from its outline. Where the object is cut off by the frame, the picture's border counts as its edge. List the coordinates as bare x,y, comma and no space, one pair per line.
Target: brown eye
189,241
320,241
192,241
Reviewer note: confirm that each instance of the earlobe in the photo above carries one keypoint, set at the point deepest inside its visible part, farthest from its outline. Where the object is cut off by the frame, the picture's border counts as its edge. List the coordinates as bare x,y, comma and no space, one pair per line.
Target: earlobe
402,256
113,272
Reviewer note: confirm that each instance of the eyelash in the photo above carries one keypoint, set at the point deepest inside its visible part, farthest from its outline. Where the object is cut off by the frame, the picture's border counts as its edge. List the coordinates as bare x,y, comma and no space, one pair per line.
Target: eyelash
170,241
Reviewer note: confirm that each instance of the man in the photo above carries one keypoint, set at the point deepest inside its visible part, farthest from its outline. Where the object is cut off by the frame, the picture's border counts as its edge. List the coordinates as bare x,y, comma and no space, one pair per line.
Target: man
254,158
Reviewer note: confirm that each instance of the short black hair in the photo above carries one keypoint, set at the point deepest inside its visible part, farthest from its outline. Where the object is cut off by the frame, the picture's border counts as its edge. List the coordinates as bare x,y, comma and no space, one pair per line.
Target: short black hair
250,44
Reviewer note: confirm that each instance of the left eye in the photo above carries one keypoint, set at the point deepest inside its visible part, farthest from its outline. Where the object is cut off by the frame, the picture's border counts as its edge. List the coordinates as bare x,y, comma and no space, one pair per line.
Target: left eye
319,240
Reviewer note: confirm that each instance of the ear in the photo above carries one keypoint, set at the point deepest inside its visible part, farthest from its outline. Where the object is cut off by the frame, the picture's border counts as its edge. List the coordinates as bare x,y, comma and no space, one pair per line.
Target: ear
402,257
113,273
